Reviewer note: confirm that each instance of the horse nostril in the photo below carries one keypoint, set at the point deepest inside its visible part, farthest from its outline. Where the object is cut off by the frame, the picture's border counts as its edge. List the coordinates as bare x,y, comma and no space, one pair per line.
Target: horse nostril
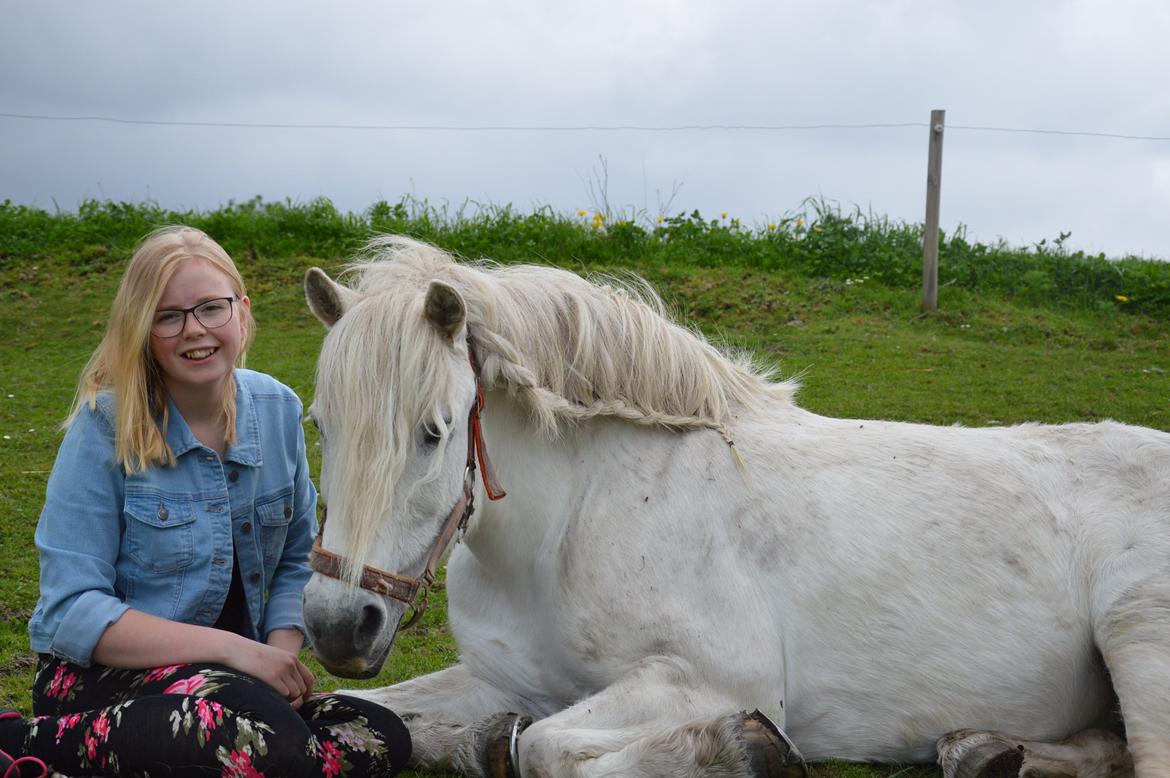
370,625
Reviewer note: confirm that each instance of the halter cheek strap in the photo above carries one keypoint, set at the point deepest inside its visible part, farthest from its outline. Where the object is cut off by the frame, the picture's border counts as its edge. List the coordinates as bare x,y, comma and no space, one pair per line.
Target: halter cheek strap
403,588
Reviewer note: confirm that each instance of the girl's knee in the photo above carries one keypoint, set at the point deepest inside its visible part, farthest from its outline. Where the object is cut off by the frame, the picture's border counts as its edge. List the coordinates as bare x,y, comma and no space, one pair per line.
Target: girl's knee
374,728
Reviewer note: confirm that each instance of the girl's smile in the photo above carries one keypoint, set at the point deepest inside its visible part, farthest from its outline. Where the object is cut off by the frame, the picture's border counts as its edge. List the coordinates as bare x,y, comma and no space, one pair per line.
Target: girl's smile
199,354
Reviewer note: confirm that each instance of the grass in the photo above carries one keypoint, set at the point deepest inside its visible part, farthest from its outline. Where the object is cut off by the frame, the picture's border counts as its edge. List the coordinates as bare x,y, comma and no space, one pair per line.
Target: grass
994,353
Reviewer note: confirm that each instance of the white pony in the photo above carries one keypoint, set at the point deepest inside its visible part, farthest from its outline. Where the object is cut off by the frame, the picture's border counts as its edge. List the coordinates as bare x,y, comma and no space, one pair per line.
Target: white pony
688,567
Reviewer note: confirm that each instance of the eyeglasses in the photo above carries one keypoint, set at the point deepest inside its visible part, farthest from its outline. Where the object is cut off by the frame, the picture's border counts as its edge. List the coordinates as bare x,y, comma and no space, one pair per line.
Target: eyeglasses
169,322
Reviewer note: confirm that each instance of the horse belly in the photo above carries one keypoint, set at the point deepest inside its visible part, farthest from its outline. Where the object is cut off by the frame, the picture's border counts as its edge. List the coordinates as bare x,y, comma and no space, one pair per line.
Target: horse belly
880,670
886,710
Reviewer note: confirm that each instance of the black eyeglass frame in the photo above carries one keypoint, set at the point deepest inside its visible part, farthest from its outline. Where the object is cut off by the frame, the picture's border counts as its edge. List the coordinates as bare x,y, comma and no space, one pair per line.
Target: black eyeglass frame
230,299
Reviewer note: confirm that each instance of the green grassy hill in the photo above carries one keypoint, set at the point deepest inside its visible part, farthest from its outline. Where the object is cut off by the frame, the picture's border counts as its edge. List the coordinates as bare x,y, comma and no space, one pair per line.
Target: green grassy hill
1020,335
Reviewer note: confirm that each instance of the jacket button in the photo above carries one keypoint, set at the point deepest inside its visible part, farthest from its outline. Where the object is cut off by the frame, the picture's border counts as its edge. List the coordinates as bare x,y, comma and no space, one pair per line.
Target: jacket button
287,511
246,527
234,476
163,513
254,578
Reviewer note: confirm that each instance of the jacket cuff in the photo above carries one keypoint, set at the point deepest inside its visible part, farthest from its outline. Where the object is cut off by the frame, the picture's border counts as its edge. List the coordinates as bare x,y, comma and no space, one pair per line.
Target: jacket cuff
284,611
83,625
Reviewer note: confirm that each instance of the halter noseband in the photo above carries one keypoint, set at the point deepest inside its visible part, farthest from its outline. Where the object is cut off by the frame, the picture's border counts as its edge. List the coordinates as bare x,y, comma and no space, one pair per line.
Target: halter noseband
400,587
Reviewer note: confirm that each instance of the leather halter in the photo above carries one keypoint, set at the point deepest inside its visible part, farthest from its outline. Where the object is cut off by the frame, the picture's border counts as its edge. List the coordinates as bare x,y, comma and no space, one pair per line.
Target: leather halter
400,587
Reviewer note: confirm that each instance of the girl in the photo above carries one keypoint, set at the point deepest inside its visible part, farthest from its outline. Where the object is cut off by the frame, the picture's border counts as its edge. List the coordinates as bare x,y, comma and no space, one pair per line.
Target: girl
174,543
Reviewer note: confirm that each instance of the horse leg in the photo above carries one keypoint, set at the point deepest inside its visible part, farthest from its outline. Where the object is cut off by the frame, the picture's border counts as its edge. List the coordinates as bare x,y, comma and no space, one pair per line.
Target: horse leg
1134,638
657,720
454,718
1094,753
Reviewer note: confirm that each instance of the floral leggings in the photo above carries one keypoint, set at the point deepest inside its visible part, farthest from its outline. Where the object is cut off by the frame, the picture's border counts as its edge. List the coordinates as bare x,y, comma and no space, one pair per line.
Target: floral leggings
205,720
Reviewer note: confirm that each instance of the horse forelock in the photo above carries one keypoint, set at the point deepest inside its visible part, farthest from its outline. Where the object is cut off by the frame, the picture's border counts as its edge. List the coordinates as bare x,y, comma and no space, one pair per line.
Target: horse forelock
380,377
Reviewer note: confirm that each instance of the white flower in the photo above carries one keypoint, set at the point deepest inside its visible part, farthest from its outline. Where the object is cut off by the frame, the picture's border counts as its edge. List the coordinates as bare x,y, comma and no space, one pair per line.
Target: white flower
351,735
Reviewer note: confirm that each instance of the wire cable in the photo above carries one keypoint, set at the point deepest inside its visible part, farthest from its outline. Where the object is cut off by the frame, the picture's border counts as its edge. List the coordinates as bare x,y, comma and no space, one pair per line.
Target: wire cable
570,128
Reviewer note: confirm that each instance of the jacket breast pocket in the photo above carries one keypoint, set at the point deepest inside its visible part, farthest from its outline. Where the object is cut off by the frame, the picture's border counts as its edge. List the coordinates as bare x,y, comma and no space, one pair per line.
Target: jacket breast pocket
273,515
159,532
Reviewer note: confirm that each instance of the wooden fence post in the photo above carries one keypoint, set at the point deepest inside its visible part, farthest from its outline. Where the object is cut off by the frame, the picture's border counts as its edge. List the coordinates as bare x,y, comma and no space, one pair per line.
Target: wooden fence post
930,229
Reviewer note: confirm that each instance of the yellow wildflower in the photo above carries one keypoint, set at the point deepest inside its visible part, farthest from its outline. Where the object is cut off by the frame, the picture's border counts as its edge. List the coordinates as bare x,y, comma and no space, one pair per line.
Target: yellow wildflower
1122,298
816,228
661,219
723,215
800,222
771,226
581,213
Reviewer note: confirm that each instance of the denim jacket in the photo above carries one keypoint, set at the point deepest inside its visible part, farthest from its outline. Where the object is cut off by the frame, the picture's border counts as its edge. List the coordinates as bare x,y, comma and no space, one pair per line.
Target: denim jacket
161,541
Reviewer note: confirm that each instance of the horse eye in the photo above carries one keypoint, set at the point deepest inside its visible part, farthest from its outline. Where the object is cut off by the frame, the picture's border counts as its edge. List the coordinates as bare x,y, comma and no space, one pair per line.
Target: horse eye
431,435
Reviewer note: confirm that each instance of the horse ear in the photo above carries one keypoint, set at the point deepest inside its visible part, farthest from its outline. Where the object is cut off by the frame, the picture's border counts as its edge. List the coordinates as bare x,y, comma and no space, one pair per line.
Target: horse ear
444,309
327,299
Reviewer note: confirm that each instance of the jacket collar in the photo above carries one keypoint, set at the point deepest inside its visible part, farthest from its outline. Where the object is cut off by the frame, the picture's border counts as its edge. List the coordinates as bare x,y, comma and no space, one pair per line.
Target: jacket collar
246,450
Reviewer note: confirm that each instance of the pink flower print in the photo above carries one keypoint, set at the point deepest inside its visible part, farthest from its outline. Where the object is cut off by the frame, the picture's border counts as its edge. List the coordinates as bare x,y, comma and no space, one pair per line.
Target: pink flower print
90,745
240,766
62,682
330,756
55,684
101,727
210,714
185,685
67,722
159,673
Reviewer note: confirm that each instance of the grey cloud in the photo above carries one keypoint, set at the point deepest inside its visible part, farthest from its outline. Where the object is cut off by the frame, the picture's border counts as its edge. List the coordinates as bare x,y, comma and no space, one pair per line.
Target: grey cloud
1053,64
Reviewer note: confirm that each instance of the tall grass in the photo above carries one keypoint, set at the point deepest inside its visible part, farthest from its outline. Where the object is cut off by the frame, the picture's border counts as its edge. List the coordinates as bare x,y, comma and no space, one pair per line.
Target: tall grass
821,240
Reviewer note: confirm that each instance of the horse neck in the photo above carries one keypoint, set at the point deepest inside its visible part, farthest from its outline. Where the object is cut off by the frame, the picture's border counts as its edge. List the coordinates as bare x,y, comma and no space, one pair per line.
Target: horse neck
545,477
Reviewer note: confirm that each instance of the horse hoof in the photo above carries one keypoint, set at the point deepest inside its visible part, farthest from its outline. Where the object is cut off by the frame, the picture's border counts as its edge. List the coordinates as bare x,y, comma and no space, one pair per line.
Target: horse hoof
968,753
501,739
769,751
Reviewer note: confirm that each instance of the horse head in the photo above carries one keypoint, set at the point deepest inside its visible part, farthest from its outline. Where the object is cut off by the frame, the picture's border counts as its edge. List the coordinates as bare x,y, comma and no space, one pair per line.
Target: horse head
395,388
397,384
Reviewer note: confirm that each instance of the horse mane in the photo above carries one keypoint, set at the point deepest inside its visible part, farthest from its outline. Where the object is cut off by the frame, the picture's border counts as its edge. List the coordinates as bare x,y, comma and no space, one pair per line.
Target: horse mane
573,348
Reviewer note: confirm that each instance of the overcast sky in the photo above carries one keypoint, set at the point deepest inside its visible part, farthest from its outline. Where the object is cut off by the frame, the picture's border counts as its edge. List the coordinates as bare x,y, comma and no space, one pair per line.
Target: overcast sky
1100,66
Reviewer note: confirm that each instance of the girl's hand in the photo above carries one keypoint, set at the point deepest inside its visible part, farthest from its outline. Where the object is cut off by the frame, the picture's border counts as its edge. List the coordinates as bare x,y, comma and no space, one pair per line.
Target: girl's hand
277,667
292,640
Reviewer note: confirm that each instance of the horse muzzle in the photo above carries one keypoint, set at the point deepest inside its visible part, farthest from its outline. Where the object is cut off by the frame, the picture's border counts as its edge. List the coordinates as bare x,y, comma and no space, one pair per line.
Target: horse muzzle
350,630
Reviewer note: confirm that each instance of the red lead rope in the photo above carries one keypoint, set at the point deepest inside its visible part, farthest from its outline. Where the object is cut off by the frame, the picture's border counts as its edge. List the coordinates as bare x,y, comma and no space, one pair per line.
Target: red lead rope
475,439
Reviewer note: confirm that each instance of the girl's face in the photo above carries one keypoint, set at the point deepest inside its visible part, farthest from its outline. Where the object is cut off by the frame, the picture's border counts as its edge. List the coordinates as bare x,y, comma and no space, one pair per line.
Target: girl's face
198,357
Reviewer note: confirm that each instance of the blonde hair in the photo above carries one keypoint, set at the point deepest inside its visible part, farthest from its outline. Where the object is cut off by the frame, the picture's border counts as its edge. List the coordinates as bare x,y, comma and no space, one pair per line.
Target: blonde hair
122,362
